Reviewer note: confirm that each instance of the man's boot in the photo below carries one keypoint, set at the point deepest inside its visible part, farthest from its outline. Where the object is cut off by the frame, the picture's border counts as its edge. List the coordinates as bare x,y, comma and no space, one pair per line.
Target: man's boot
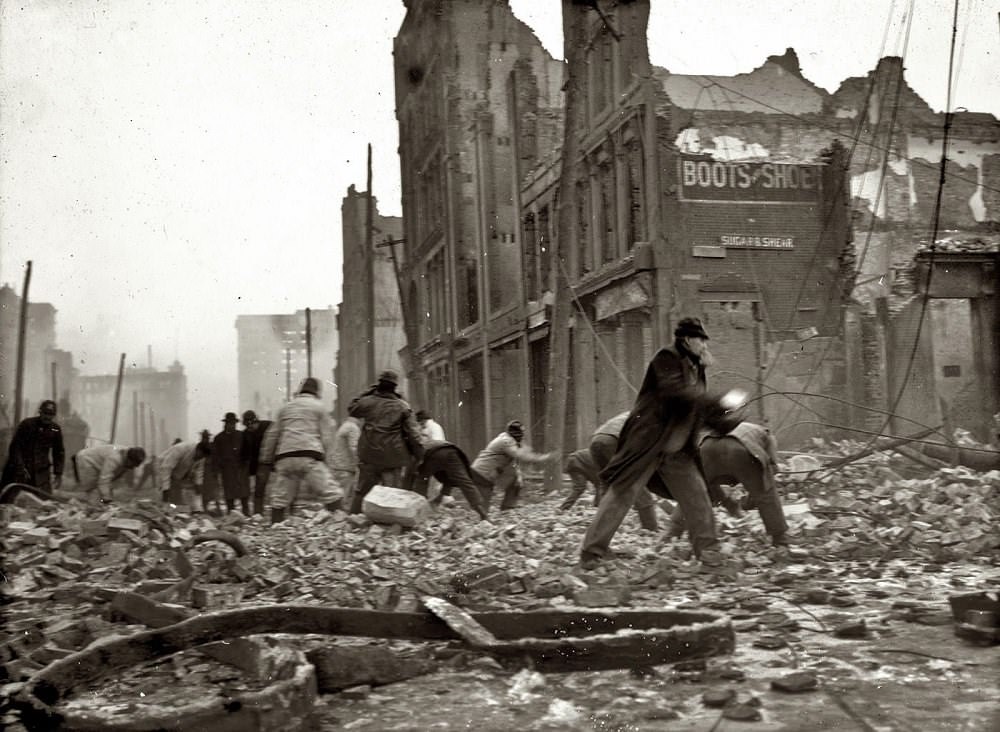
277,516
647,517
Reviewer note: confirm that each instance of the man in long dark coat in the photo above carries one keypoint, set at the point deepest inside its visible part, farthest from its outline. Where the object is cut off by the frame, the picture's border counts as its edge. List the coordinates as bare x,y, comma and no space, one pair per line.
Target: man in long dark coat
253,436
36,455
659,438
227,460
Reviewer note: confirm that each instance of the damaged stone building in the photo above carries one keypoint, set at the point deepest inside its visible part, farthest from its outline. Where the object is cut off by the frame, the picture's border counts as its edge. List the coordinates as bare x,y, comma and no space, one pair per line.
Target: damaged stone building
786,217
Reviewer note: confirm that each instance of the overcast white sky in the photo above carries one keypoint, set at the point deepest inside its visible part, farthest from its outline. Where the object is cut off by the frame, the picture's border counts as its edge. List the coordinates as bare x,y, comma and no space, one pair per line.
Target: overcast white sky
170,165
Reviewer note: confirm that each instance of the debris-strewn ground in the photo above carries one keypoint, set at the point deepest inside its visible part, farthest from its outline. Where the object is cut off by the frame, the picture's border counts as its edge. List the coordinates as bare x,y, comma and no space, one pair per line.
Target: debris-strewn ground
852,631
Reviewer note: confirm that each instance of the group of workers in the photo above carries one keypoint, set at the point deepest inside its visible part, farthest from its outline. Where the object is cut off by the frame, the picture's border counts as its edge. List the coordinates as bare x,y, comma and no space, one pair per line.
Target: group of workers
649,450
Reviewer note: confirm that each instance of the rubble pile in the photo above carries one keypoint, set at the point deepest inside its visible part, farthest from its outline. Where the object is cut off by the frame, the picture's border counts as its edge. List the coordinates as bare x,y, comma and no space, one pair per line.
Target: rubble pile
879,517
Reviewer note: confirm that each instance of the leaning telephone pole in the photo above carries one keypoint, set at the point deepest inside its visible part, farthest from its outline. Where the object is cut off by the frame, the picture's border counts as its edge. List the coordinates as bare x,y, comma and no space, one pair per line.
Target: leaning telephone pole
22,328
574,15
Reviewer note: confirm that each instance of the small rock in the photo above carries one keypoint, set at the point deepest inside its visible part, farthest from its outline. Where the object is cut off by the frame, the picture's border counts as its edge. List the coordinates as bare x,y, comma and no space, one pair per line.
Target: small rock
769,642
856,629
742,712
717,698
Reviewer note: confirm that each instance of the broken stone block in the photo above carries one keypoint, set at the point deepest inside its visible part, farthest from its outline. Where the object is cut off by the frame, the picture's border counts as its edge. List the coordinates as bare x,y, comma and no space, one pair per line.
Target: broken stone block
387,505
20,527
340,667
796,682
38,535
602,596
92,527
742,712
123,524
857,629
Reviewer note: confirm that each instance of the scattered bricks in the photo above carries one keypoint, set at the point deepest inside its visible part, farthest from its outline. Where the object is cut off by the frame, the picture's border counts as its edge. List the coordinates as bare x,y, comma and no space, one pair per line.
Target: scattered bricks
276,576
116,552
116,525
816,596
387,505
718,698
93,527
602,596
216,596
38,535
769,642
244,568
60,573
133,539
797,682
154,585
358,519
49,653
572,583
482,579
285,588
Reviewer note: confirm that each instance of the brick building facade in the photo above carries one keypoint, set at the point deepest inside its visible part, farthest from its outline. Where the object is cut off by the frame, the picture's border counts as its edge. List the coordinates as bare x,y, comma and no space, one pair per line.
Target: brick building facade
785,216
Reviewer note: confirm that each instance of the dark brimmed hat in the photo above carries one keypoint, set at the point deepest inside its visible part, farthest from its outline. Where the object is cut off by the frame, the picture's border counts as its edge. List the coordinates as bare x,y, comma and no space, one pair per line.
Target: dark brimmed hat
310,385
389,376
47,407
690,328
249,416
230,417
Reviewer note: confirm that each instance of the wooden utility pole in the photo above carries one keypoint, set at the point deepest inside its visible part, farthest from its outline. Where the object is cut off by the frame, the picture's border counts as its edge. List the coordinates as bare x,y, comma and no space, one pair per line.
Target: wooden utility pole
55,383
574,15
22,329
142,426
135,418
309,343
118,396
370,265
152,431
288,374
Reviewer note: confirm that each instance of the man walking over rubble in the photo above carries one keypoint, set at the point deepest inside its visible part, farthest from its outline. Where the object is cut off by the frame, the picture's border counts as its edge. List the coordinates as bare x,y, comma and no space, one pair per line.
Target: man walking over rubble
659,437
296,447
499,465
253,437
103,467
345,457
36,455
390,438
180,469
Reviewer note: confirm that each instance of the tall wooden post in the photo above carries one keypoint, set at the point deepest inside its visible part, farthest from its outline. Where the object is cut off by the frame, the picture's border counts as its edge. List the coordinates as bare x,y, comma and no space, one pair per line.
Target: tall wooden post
574,17
118,396
152,431
135,418
22,329
288,374
309,343
370,266
142,425
55,384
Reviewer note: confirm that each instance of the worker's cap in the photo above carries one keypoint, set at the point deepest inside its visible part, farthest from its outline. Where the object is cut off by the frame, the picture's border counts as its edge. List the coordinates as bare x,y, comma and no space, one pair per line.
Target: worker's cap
230,417
48,408
135,456
249,416
422,415
690,328
389,376
515,428
309,385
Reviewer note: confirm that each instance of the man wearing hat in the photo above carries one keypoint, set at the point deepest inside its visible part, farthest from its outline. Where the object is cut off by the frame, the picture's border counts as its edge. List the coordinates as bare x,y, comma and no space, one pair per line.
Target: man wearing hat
298,445
390,438
253,437
659,438
28,458
228,466
498,465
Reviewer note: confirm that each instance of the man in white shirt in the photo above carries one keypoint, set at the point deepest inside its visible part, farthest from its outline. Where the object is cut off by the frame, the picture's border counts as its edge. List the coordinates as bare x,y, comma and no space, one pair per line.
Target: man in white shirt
497,464
101,467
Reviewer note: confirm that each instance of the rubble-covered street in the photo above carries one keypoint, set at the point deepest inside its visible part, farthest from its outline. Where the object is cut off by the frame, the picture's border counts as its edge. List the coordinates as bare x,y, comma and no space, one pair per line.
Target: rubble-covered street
853,630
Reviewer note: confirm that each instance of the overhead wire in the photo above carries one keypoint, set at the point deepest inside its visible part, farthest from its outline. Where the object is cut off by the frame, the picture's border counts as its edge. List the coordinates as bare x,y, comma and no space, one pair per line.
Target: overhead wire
936,220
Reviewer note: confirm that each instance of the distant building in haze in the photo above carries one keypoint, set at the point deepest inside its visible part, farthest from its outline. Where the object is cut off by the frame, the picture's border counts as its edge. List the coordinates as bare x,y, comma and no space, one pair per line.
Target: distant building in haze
40,353
273,360
152,409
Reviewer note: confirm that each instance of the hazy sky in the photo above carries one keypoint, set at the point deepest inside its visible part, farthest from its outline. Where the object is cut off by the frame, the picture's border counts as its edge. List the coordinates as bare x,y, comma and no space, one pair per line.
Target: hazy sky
170,165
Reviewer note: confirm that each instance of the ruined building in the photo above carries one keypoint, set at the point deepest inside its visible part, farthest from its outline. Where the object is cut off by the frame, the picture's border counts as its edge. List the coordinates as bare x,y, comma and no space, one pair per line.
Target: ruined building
370,319
786,217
